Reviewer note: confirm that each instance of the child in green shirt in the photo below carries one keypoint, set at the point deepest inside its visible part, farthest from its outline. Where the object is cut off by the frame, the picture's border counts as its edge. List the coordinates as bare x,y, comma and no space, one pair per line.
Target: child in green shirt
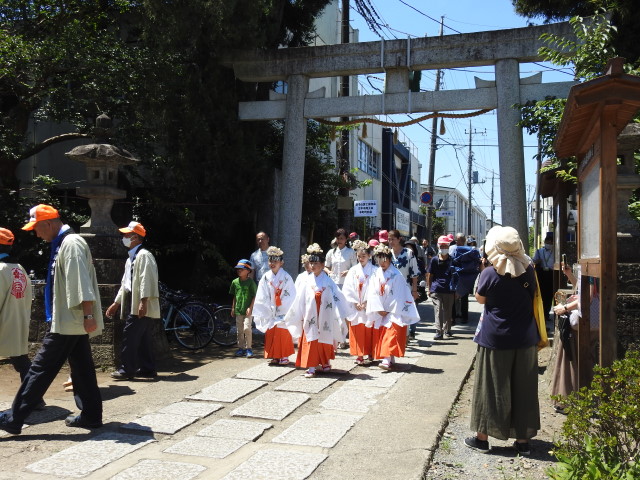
243,290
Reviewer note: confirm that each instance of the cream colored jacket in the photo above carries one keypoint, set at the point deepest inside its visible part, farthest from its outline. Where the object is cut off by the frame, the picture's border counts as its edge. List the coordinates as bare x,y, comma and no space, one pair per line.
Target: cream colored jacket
144,284
15,309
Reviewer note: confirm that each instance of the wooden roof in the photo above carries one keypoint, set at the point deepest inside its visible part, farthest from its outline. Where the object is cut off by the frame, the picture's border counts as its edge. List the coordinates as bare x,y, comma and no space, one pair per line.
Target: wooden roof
578,127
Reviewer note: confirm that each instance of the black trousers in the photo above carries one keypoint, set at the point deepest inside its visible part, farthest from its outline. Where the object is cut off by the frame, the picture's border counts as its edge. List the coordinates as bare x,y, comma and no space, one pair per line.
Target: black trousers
137,351
57,348
21,364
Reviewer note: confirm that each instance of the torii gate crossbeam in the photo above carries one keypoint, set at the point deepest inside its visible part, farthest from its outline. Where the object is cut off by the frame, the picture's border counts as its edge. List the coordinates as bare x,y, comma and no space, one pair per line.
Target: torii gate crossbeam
505,49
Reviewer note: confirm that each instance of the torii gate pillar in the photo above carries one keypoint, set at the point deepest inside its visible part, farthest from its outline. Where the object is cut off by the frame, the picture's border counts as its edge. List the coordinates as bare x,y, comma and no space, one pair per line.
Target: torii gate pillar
292,185
511,148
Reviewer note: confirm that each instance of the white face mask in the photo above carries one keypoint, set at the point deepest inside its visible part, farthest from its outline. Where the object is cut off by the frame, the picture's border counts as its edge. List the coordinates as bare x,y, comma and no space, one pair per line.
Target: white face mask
126,241
444,251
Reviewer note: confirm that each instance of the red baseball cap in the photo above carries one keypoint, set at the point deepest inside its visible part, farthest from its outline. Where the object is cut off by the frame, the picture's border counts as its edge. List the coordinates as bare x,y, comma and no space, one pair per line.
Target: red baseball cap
39,213
6,237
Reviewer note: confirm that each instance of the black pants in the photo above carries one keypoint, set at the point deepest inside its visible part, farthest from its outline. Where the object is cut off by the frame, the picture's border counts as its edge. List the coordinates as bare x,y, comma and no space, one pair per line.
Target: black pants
545,279
57,348
137,350
21,364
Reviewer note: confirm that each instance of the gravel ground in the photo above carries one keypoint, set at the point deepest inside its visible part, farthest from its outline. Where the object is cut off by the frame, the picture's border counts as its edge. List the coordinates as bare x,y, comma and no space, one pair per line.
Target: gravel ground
453,460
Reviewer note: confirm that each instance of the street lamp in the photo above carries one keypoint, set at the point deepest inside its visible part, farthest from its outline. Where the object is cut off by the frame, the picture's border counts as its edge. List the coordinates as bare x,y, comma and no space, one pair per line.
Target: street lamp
443,176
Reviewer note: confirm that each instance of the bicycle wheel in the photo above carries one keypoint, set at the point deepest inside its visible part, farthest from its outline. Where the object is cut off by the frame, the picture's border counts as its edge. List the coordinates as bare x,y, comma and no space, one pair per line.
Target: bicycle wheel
225,332
193,326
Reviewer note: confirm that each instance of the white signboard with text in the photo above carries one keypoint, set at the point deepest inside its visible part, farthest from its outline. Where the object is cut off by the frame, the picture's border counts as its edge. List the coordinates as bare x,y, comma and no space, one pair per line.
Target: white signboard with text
403,221
365,208
444,213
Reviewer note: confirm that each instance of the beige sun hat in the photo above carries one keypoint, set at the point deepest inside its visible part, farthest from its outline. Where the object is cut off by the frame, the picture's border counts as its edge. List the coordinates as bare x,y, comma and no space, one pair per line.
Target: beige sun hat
505,251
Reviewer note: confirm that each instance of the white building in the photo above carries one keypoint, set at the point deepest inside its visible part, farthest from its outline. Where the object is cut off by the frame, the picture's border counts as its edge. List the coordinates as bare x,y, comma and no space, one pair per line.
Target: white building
453,206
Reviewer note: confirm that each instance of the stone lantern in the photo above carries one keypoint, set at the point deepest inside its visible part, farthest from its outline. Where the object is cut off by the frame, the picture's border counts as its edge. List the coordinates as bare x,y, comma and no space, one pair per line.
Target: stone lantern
102,161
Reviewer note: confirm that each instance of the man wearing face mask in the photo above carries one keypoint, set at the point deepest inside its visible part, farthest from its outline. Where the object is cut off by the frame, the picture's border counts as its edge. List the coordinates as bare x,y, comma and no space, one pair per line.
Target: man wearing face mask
139,298
438,281
543,261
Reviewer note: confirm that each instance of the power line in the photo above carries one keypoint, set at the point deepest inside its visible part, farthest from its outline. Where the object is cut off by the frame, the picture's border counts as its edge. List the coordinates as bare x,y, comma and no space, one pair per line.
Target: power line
428,16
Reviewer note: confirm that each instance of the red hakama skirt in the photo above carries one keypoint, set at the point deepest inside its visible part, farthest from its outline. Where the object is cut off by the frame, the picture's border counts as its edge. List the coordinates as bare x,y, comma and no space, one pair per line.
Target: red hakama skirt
278,343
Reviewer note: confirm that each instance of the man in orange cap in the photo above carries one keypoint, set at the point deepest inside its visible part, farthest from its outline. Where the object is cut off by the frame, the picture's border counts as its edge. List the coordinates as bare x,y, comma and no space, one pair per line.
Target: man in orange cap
139,296
15,307
72,301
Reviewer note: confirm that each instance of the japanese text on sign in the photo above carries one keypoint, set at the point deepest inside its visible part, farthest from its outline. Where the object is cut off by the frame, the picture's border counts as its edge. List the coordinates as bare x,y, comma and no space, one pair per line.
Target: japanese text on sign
365,208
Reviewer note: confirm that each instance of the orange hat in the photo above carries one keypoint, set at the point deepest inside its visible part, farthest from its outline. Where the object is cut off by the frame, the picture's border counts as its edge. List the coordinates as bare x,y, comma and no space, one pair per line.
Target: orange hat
39,213
134,227
6,237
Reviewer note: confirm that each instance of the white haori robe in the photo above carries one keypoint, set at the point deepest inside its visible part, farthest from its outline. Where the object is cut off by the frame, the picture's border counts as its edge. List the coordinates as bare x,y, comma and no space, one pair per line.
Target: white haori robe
266,314
301,279
303,314
388,292
355,288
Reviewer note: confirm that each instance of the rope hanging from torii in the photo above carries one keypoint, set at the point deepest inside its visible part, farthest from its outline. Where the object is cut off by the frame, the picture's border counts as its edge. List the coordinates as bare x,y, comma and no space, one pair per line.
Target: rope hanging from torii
402,124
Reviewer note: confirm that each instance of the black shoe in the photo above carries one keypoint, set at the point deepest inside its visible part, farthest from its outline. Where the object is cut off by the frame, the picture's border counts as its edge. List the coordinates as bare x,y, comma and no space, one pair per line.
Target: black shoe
120,375
449,334
40,406
438,336
79,422
522,448
479,445
144,374
8,425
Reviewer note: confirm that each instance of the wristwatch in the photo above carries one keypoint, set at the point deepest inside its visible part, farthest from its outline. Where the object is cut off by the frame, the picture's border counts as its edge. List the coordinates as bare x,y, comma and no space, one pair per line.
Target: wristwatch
88,317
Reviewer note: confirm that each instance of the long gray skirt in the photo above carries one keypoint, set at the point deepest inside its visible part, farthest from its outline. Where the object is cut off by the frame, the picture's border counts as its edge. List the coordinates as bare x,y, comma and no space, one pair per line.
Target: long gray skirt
505,393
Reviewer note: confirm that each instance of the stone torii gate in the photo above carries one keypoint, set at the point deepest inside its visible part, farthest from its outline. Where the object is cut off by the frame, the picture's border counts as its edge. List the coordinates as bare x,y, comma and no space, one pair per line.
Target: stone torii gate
505,49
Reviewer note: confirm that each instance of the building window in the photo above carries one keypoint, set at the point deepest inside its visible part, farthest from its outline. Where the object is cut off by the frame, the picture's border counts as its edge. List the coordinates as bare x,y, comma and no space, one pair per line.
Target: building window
368,159
414,190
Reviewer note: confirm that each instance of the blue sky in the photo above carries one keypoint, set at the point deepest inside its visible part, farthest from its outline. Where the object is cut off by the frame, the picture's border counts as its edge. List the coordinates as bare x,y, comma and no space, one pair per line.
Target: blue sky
460,16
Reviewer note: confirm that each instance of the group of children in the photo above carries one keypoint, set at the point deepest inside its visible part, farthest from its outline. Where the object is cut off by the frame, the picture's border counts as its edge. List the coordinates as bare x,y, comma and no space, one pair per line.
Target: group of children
375,302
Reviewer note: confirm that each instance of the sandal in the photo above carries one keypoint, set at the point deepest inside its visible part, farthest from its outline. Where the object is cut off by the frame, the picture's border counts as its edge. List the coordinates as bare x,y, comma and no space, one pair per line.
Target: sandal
326,368
310,373
68,383
273,361
359,361
385,365
283,361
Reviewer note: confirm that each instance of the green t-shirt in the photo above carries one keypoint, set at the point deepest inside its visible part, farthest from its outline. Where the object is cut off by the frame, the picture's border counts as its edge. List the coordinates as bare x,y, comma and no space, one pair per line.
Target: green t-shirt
243,293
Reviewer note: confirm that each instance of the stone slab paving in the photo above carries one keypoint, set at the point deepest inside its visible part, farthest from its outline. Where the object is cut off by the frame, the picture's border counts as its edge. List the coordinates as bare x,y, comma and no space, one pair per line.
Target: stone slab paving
239,429
228,390
277,465
375,378
158,470
342,365
161,423
83,458
271,405
266,372
211,447
352,399
307,385
322,430
192,409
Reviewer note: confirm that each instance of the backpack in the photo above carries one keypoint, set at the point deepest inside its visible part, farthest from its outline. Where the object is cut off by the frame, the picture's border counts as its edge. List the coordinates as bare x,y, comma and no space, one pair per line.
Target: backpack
465,270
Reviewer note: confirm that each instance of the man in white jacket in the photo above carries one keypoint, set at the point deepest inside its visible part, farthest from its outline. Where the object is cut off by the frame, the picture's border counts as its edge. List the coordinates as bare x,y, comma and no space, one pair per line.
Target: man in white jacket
139,297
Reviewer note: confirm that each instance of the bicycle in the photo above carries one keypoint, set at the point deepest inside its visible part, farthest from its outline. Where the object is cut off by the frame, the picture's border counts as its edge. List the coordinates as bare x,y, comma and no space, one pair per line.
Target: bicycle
189,320
225,332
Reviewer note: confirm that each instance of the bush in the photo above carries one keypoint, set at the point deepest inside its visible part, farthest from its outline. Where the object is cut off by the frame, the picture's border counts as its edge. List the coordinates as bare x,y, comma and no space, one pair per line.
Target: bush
601,436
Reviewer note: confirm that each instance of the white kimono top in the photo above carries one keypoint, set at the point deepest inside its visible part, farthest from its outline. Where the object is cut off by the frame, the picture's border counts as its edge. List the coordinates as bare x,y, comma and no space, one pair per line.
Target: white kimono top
74,282
300,279
15,309
355,288
388,292
144,283
274,297
303,314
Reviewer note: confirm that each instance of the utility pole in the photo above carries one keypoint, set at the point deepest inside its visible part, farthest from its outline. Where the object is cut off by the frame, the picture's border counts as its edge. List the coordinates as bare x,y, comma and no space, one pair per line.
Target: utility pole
344,208
492,206
536,231
470,173
432,156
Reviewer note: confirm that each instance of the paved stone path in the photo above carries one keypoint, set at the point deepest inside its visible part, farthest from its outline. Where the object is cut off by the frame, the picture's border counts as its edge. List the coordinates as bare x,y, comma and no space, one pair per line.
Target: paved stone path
266,422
